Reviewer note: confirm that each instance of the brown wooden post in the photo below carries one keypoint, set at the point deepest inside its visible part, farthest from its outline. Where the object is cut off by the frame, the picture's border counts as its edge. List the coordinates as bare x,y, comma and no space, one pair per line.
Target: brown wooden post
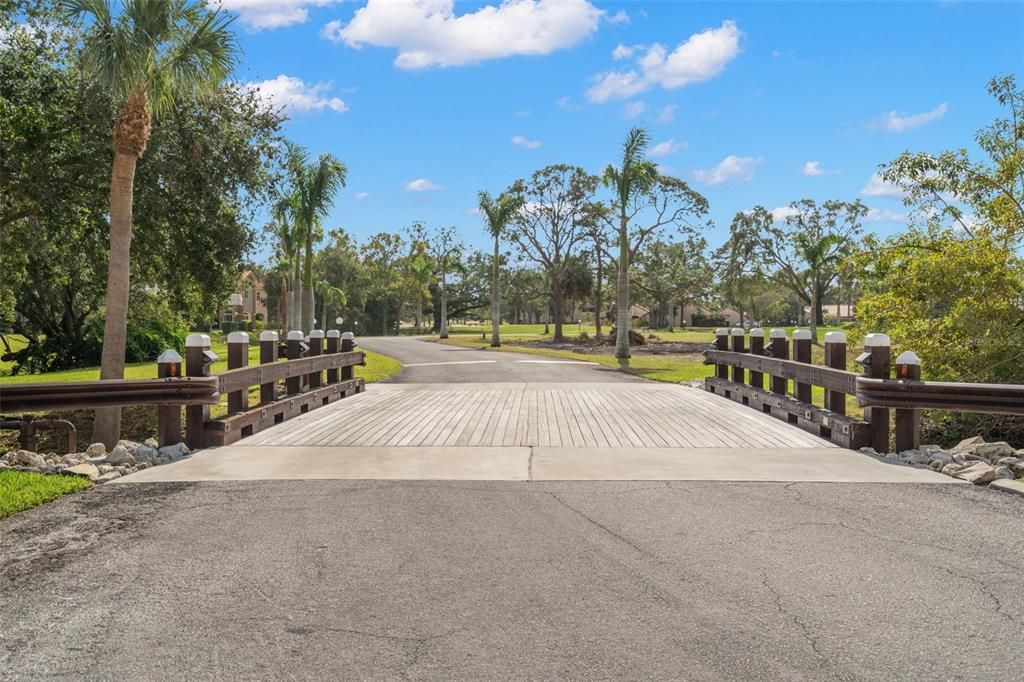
757,348
238,356
316,347
348,344
908,421
802,353
333,346
780,350
268,355
198,358
293,385
876,366
168,417
738,338
835,357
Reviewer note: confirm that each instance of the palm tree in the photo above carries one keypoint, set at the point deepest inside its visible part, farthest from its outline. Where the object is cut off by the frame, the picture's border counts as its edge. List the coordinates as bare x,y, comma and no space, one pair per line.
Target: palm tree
497,213
421,270
634,176
151,55
289,260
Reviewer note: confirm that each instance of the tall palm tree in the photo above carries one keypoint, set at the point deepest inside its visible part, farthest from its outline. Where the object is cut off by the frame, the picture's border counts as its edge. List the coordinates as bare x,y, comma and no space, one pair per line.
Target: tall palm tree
151,55
289,259
634,176
421,270
497,213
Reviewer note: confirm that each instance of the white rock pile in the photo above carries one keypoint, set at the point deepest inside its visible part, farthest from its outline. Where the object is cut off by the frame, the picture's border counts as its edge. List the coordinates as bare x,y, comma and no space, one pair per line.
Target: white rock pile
96,463
972,460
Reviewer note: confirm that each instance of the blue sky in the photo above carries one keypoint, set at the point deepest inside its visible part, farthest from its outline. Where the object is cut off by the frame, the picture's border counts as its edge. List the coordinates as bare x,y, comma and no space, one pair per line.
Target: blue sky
429,101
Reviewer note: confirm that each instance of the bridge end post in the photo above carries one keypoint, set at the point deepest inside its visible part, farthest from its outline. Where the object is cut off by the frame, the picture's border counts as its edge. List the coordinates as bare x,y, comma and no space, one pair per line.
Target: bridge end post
722,343
168,417
908,421
198,358
877,359
835,357
238,357
348,344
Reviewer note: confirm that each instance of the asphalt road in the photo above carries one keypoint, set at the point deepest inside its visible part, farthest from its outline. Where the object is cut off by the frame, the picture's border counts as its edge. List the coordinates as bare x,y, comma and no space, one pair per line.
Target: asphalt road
446,580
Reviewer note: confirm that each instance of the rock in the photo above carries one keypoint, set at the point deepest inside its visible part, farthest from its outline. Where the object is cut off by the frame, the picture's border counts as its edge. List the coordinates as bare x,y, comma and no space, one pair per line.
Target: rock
952,468
1018,469
965,458
869,451
109,476
977,473
930,447
968,444
940,456
915,457
142,465
96,450
993,451
88,470
174,452
1004,472
145,453
105,468
120,455
29,459
936,465
128,445
151,443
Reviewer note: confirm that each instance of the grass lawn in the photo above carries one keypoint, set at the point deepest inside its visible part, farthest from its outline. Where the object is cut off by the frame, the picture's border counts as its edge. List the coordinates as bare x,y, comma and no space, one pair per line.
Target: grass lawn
21,490
693,334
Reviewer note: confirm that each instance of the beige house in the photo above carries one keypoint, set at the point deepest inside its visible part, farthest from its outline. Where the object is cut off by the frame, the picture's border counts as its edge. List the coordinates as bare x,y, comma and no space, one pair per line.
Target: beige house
834,312
248,303
683,317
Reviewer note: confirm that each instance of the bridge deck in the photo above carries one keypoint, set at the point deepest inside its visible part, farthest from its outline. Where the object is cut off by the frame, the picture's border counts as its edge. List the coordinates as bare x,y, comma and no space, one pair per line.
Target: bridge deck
536,415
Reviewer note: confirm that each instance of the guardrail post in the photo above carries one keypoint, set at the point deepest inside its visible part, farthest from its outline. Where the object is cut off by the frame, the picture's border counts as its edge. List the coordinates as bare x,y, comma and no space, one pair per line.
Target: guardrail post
293,385
168,417
316,347
757,348
738,337
780,350
876,366
802,353
333,346
348,344
268,355
238,357
908,421
835,357
198,358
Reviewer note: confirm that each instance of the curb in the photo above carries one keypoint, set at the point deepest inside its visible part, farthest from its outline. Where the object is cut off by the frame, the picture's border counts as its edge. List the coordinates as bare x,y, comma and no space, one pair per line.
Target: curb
1008,486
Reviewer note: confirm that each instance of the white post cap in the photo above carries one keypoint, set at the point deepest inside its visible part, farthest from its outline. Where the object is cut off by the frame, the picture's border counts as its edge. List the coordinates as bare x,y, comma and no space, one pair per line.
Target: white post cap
738,331
316,334
757,332
801,334
333,333
908,358
168,356
835,337
197,341
348,336
721,331
777,333
295,335
268,336
238,337
876,341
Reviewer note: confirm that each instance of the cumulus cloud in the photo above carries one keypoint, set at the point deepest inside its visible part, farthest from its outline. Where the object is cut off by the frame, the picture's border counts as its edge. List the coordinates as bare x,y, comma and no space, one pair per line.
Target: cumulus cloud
732,167
782,212
877,187
667,148
294,95
668,114
898,122
701,57
813,168
567,104
619,17
421,185
266,14
428,33
884,215
634,109
622,52
525,143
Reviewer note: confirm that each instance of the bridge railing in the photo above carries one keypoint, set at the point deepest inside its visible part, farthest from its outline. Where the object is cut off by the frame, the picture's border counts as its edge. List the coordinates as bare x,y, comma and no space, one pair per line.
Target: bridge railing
741,370
293,377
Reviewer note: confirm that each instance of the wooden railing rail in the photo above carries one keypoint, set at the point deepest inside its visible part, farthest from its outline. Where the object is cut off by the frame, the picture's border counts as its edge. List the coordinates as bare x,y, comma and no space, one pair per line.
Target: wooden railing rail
832,379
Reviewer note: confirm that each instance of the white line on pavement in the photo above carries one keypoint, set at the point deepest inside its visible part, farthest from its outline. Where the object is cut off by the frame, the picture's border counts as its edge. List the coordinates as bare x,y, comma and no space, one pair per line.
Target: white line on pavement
458,362
554,362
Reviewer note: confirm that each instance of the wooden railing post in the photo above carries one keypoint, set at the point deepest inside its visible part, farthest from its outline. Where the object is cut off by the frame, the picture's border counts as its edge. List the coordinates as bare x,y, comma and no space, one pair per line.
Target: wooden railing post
348,344
757,348
333,346
802,353
780,350
738,338
268,355
908,421
316,347
877,357
835,357
198,358
722,343
238,356
296,345
168,417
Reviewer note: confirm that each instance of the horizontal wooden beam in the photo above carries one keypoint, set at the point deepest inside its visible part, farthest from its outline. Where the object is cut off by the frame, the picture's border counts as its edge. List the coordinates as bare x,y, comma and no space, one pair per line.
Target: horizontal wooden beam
942,395
832,379
109,393
244,377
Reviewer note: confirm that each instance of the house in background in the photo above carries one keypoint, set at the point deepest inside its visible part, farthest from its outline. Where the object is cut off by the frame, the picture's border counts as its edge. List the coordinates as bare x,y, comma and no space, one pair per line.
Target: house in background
684,317
248,303
834,312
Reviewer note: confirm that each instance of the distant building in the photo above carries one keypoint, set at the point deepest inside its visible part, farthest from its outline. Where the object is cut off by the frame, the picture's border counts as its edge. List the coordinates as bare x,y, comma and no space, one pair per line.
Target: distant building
835,312
248,303
685,316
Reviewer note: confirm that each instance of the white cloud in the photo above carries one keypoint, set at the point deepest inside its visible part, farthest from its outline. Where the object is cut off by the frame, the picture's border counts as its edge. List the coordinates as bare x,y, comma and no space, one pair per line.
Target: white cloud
884,215
782,212
520,141
634,109
813,168
619,17
428,33
898,122
622,52
474,211
700,58
877,187
263,14
668,114
421,185
362,196
293,95
731,167
667,148
567,104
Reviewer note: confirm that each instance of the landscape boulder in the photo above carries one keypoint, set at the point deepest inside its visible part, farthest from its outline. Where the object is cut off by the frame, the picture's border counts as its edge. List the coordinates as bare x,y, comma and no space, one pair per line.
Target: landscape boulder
174,452
29,459
993,451
978,473
120,455
88,470
96,450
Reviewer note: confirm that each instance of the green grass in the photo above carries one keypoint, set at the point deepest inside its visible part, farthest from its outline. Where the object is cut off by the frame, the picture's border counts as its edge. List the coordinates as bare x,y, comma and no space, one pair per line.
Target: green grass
20,490
377,367
692,334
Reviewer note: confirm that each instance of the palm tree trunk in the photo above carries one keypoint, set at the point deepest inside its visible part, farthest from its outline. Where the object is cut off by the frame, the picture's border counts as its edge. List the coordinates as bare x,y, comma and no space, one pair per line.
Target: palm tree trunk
107,424
495,300
444,307
622,297
558,303
308,311
597,296
814,314
419,313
